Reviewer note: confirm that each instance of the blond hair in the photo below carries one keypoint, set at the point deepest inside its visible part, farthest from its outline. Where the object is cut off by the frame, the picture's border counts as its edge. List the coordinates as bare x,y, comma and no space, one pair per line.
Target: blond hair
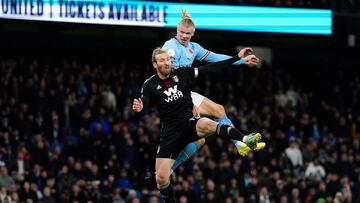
156,51
186,19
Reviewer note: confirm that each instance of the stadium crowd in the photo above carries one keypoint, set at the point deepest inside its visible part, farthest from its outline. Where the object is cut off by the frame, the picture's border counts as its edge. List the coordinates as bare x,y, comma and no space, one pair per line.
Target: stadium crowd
68,134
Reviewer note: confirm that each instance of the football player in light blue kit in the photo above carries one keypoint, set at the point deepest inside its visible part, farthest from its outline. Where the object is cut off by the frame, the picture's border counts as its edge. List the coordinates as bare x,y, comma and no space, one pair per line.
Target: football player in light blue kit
183,53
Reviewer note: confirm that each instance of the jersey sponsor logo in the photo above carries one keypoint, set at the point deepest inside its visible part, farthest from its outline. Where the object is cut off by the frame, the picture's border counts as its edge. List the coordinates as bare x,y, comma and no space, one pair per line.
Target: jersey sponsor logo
158,87
173,94
171,90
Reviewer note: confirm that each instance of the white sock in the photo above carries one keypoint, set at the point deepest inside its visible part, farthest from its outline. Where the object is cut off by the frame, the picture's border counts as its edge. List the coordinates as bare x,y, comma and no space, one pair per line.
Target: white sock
240,144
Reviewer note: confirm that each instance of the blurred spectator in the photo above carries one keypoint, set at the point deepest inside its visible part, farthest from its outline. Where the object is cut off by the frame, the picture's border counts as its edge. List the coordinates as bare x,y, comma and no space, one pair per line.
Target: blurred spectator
314,170
6,181
295,196
281,99
264,195
47,196
27,193
293,153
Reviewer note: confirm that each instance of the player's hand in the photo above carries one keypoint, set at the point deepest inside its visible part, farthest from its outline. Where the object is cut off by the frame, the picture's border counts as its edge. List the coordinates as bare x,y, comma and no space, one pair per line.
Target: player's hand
137,105
245,52
251,59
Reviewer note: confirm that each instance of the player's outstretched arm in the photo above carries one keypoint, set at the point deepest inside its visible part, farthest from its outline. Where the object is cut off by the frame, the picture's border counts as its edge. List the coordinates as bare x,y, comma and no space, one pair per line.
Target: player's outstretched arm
137,105
217,66
244,53
209,56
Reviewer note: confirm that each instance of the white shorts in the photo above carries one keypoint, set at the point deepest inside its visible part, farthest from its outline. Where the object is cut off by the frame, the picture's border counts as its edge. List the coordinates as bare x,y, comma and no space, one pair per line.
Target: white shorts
197,98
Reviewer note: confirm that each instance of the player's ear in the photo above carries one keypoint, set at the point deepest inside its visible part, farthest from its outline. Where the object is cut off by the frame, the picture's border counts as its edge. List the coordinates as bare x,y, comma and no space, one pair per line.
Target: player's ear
155,65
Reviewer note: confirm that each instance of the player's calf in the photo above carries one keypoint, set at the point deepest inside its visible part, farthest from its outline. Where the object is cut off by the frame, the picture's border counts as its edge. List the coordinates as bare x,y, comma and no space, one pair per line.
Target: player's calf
167,193
163,171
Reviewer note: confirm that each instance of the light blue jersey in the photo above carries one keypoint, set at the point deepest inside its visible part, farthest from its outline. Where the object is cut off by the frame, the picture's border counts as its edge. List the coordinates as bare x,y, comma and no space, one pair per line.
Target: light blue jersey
182,56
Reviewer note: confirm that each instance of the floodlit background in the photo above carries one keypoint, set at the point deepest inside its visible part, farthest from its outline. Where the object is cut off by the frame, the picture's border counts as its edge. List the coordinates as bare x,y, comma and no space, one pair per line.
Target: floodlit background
67,132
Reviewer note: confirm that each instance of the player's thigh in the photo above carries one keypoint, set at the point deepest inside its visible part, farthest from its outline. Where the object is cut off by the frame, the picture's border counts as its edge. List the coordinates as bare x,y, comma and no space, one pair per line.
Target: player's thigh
163,169
207,107
205,127
211,109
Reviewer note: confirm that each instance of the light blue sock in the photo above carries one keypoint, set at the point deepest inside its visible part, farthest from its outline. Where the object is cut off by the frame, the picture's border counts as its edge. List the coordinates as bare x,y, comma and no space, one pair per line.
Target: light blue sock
185,154
227,121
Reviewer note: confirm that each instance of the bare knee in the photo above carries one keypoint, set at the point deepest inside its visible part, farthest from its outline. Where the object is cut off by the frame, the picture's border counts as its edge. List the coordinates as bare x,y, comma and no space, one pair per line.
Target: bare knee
161,178
205,127
218,111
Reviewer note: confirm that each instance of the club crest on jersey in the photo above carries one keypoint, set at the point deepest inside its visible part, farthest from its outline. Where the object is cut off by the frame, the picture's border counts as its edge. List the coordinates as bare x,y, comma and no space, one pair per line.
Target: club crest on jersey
191,52
171,52
175,78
